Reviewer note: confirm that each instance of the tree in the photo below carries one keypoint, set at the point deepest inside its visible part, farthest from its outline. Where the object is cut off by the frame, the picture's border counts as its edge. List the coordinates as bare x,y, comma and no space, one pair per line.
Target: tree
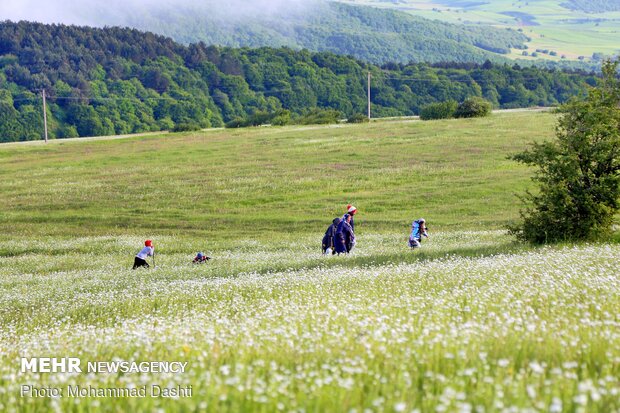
473,107
579,171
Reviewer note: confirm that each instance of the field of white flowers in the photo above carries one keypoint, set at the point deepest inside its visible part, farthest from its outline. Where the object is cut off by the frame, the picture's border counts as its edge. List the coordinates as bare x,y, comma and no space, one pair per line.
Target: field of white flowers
455,326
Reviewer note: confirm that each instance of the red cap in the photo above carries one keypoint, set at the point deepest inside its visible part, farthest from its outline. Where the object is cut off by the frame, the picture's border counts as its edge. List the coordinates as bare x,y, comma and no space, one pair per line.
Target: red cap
148,243
351,209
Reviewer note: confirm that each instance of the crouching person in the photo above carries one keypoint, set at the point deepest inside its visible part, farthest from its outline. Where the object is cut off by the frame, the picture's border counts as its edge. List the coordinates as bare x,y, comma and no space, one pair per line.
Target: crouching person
147,251
200,258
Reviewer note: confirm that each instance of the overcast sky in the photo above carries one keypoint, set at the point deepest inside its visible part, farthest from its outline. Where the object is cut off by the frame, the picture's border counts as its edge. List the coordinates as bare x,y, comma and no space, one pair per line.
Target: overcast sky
88,12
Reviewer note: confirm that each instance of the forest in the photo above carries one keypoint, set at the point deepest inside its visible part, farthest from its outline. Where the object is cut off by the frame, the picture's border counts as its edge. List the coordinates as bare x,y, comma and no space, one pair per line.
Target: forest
117,81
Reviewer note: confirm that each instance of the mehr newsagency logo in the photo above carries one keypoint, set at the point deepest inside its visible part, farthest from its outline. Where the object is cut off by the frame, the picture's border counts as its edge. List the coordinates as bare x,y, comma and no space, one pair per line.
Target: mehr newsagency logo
74,365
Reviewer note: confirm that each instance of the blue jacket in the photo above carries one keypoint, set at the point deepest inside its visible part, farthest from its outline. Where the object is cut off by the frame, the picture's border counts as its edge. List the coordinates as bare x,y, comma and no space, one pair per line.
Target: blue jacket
344,236
329,239
415,231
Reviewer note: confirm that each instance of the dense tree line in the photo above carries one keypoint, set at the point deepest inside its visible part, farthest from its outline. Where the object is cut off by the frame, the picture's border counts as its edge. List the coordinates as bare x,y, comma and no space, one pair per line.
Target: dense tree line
116,81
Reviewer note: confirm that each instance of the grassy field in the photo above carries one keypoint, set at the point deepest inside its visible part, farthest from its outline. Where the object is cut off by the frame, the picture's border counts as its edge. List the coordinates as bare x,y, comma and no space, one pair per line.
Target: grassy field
473,321
252,181
550,26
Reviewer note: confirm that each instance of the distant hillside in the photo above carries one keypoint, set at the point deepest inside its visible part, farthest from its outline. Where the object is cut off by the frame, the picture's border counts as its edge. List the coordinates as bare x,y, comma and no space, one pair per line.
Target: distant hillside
592,6
370,34
568,30
117,81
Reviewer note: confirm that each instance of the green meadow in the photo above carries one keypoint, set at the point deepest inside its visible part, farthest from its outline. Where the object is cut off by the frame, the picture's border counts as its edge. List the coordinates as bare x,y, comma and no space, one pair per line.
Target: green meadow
551,26
249,182
472,321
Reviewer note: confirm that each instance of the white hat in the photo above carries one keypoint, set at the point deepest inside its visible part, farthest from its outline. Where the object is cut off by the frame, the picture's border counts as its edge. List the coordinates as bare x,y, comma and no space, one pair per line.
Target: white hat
351,209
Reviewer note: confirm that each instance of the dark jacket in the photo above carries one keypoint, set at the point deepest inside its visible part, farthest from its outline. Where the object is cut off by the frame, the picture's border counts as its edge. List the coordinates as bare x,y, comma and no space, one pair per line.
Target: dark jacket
344,237
329,238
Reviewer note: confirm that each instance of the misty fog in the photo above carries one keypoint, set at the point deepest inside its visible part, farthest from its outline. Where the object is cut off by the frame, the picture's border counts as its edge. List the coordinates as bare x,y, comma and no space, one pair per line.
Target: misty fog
127,12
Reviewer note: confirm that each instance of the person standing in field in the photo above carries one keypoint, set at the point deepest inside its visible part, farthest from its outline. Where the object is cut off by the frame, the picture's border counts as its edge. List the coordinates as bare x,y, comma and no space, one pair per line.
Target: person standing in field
418,229
345,237
147,251
351,210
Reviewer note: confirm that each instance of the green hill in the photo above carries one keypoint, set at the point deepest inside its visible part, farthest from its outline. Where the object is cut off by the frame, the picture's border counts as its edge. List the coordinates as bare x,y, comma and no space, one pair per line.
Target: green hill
370,34
366,33
117,81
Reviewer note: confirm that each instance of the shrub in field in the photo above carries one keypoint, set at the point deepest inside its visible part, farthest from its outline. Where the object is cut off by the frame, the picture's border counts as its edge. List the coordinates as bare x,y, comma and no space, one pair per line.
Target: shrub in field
440,110
357,118
473,108
259,118
579,172
279,118
318,116
186,127
237,122
283,117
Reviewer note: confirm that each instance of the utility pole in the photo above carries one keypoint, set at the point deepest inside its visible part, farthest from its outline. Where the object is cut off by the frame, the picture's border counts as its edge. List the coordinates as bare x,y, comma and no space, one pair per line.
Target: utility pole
368,96
44,115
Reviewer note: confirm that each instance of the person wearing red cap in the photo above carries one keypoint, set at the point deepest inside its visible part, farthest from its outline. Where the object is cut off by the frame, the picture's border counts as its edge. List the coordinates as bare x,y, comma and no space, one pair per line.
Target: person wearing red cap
147,251
351,210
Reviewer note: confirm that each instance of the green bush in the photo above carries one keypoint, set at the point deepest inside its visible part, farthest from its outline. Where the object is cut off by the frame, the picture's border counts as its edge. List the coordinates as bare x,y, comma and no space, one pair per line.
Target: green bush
278,118
237,122
259,118
440,110
473,108
318,116
186,127
358,118
282,118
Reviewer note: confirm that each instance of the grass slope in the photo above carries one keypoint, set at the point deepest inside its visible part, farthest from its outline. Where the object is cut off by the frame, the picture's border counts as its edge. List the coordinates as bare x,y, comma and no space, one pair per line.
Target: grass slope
248,181
472,321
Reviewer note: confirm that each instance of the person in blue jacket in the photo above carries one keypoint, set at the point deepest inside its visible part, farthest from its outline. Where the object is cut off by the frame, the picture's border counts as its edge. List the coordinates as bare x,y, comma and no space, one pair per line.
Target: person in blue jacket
418,229
345,238
329,239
